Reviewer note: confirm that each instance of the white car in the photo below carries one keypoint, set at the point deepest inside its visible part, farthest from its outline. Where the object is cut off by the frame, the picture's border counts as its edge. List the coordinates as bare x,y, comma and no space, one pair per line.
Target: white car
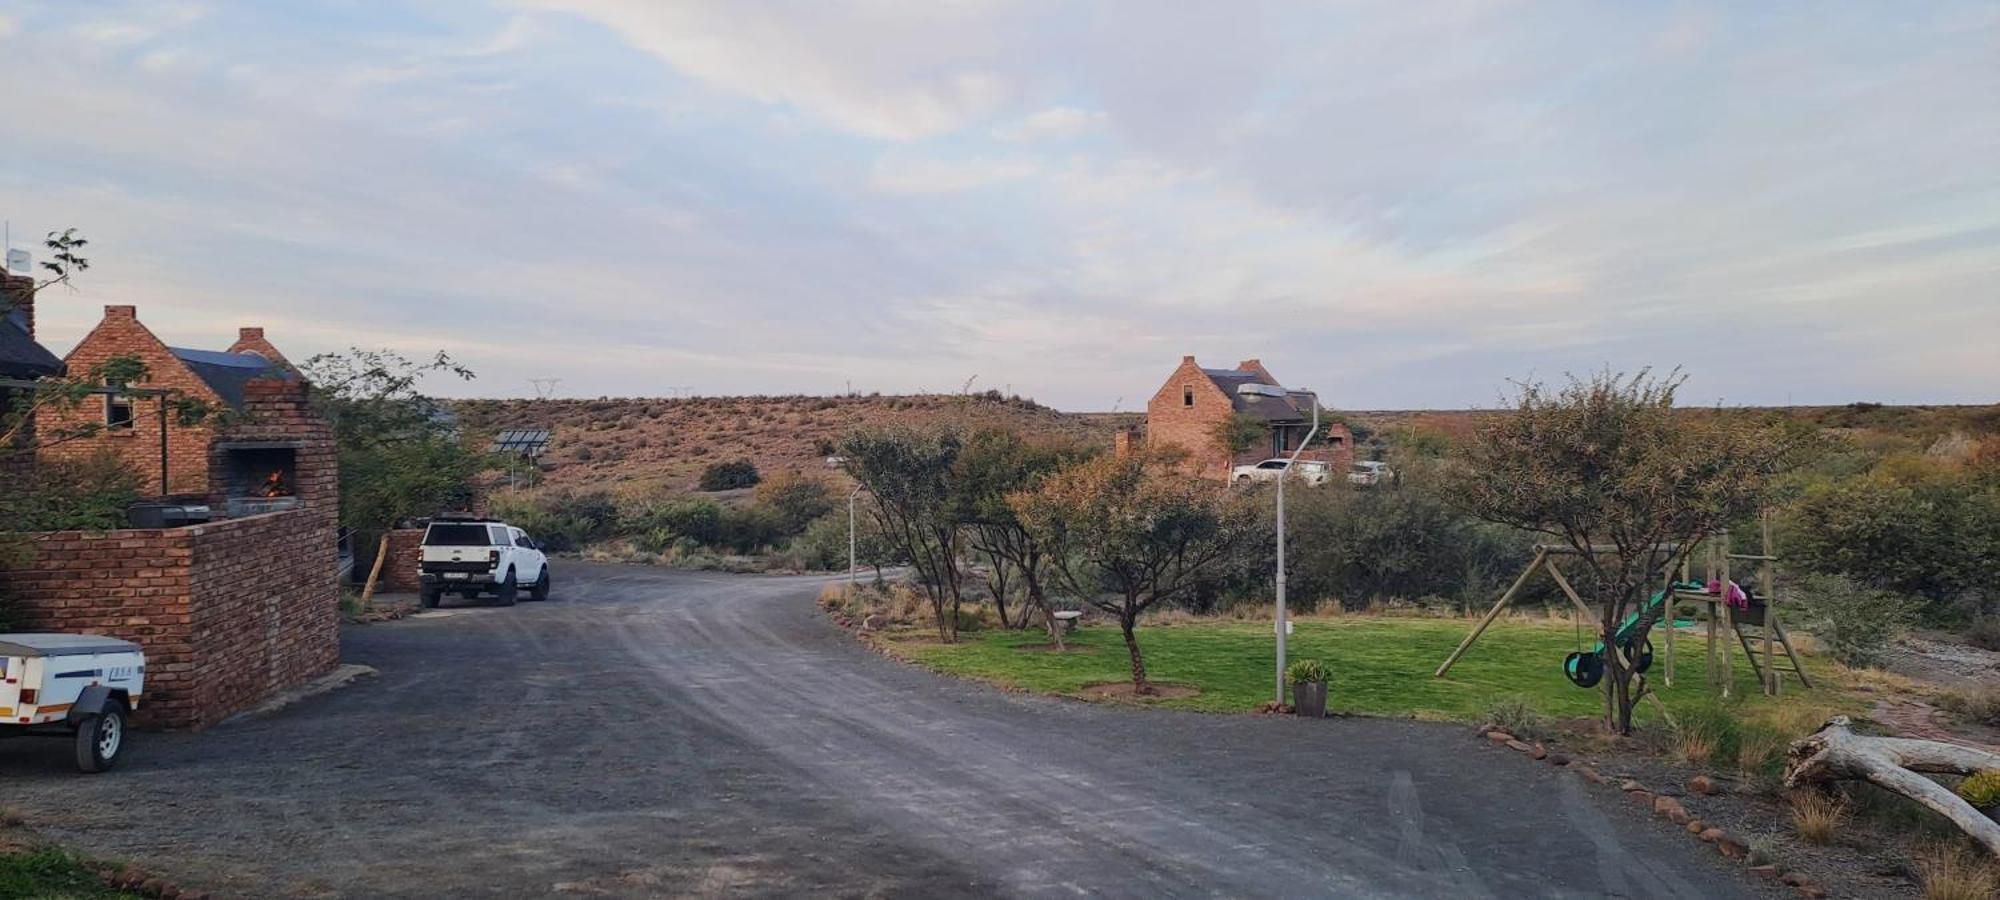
471,556
1311,471
1370,473
79,686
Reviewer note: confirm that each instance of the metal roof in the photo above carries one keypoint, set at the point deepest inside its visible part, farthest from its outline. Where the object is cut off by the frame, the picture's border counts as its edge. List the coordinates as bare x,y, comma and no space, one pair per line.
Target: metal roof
21,357
227,372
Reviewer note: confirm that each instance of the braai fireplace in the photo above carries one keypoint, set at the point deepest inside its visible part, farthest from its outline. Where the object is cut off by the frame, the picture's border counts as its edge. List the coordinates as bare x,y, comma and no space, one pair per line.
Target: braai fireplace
259,476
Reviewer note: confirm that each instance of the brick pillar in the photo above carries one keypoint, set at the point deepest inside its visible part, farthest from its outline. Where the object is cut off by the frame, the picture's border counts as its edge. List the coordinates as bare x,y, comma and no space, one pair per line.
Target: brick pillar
17,300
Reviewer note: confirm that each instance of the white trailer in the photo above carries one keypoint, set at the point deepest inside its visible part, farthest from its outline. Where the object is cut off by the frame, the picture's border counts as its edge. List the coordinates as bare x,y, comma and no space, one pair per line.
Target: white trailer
80,686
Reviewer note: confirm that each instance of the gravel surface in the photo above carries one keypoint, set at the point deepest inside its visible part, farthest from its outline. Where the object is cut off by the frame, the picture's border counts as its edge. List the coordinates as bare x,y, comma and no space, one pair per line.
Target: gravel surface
651,733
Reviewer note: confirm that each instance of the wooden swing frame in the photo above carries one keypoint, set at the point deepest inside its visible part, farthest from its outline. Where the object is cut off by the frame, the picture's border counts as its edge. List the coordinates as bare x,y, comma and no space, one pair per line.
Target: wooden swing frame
1719,663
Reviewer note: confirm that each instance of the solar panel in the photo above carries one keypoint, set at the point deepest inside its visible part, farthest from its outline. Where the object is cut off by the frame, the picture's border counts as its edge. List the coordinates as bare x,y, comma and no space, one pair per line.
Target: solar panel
524,441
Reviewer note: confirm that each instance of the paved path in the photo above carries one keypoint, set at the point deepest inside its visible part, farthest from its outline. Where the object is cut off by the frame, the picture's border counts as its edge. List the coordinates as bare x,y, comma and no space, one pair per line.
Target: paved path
657,733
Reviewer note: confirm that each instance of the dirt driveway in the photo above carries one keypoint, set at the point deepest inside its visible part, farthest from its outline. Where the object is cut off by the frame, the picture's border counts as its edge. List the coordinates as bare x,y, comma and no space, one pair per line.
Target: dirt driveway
657,733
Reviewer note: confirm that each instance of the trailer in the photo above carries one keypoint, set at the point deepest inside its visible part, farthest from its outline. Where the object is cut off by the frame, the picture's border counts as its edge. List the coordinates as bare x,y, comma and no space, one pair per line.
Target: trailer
80,686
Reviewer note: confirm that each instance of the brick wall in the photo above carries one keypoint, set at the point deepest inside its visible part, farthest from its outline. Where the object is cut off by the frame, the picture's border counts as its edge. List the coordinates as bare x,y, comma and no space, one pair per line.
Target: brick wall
399,572
229,613
121,334
1184,414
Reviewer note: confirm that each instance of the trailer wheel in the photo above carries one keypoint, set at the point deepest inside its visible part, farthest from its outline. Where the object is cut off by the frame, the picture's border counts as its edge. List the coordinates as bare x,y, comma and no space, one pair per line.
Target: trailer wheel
508,591
100,738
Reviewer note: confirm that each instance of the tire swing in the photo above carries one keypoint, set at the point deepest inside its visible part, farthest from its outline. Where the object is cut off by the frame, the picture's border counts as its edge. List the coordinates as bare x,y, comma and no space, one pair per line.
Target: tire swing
1583,669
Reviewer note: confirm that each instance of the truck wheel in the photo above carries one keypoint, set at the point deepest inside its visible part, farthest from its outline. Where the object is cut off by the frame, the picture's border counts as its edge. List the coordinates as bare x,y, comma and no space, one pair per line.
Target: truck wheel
429,597
540,591
508,591
100,738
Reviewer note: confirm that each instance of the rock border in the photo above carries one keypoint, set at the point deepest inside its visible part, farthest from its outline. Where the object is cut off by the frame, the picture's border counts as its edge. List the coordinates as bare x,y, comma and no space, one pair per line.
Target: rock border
1667,807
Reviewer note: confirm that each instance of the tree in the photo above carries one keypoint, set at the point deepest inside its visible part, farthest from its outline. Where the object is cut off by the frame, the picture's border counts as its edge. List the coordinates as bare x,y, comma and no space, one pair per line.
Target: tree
400,457
795,500
1607,467
1239,433
995,464
908,474
1127,533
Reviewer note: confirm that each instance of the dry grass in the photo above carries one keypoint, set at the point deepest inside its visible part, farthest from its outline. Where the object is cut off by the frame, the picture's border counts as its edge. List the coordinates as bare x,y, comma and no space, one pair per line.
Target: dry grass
1951,873
1818,817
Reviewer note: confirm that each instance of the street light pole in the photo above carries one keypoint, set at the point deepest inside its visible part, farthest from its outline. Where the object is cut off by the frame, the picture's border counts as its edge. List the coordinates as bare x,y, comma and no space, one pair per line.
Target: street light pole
1283,477
853,567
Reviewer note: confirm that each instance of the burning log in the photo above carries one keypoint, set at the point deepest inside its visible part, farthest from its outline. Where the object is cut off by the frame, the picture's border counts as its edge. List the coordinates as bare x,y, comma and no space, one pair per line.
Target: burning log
274,486
1835,752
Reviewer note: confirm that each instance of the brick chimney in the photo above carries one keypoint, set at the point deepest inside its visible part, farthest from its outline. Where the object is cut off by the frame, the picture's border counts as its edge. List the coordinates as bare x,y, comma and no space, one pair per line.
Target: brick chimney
17,300
122,313
250,339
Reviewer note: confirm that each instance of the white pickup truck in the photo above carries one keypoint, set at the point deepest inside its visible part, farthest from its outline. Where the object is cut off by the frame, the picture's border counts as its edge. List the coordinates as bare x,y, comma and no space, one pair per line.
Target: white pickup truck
470,556
71,685
1310,471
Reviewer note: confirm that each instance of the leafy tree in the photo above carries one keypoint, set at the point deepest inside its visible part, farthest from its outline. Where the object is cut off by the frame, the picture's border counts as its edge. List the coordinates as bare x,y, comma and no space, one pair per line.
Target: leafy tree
908,474
994,465
1607,467
1126,533
400,456
1931,534
1240,433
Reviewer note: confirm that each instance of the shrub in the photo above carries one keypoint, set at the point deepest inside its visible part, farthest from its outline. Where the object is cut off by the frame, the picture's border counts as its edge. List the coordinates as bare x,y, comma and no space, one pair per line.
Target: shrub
1379,544
1706,732
1305,671
1984,632
748,529
564,521
1981,705
1856,623
1981,789
1818,817
1518,717
1759,746
696,518
1949,873
728,476
795,500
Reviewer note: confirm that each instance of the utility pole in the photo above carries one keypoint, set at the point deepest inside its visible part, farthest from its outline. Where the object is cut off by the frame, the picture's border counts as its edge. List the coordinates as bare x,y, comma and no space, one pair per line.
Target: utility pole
1284,623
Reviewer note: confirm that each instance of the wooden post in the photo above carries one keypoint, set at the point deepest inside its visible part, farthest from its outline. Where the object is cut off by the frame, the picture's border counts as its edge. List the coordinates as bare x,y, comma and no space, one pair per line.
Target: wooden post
1541,555
1767,584
375,572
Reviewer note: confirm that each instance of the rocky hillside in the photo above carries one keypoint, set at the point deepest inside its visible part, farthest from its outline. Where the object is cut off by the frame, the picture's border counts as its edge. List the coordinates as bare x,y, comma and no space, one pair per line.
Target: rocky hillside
644,443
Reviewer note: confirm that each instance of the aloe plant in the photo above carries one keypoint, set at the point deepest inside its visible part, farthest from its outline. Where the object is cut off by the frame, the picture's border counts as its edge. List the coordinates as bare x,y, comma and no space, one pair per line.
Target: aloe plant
1306,671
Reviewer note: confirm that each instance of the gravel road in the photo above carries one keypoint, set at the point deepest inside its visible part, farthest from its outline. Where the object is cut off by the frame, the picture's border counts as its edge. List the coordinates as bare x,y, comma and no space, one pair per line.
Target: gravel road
653,733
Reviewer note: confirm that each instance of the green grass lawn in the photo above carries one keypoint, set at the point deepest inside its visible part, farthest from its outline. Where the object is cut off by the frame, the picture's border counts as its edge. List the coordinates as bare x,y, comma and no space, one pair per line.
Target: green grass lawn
51,875
1381,666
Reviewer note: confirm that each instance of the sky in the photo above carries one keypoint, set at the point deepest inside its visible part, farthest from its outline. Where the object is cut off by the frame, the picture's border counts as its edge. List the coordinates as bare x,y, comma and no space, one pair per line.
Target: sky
1396,205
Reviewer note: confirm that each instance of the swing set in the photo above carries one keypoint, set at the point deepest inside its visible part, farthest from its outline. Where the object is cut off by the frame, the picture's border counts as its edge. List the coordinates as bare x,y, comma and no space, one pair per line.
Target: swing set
1751,617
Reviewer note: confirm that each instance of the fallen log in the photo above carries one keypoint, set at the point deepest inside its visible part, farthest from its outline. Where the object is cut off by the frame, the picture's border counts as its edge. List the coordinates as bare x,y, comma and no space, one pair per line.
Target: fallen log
1835,752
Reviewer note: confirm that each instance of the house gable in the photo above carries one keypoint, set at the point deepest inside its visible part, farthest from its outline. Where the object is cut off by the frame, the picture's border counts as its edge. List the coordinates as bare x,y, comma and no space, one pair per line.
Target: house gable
120,333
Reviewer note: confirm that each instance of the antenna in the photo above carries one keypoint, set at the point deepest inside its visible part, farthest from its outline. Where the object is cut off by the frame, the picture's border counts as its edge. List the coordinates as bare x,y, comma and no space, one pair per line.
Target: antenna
544,387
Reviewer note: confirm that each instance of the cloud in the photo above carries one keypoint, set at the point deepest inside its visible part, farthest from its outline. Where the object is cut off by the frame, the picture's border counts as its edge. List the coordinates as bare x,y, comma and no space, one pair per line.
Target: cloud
1399,206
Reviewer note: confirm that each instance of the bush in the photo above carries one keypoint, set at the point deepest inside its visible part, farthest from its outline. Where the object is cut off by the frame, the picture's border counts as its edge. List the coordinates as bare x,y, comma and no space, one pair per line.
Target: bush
1407,543
1984,632
1817,817
823,546
1857,624
795,500
564,521
1980,706
728,476
696,518
1706,732
1910,526
748,529
1518,717
1981,789
1306,671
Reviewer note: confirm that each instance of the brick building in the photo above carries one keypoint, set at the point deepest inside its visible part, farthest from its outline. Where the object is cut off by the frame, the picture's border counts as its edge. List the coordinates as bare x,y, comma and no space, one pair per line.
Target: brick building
1194,403
229,611
21,360
133,425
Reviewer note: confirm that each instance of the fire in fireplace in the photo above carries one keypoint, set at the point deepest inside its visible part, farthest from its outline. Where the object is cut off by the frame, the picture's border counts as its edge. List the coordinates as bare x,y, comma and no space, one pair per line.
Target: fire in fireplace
258,476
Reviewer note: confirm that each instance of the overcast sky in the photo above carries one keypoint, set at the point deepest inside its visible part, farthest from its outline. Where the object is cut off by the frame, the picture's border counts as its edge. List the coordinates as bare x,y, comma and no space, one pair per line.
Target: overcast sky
1400,205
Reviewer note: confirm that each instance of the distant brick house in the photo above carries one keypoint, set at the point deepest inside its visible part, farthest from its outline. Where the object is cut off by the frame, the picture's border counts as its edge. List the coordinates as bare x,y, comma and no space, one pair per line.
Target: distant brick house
1194,403
195,464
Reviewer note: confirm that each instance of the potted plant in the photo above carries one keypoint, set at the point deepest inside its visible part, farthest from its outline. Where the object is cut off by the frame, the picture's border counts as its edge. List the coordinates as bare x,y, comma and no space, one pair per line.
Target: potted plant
1308,678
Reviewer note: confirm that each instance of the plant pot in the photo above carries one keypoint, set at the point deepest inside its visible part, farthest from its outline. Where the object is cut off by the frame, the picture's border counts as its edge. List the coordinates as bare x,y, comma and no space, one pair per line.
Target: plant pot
1309,699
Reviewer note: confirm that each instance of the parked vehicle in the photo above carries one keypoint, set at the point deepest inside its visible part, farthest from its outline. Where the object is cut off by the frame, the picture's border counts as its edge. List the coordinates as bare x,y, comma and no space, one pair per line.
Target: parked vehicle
1311,471
1370,473
79,686
473,556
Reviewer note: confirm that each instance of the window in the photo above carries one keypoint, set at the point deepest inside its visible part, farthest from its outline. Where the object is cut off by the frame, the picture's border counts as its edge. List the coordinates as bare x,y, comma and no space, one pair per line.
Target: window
452,534
521,539
1187,395
117,412
1334,439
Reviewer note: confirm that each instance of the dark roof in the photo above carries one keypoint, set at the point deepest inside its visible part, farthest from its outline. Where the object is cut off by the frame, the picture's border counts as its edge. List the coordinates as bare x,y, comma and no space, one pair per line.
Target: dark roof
20,356
226,373
1292,407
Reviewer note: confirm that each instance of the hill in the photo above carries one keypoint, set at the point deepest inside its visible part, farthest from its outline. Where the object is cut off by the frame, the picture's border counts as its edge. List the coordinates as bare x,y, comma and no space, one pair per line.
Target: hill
634,443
